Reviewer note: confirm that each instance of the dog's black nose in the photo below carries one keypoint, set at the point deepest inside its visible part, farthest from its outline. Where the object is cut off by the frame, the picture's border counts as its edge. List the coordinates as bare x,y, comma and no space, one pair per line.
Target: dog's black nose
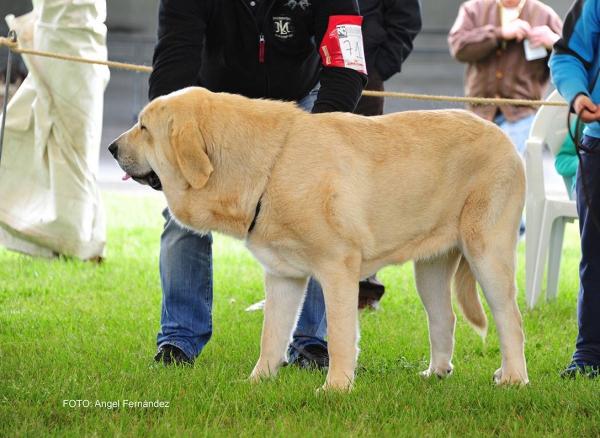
113,149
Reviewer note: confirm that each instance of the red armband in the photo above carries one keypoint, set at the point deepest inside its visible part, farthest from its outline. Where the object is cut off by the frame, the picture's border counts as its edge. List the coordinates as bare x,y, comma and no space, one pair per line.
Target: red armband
342,45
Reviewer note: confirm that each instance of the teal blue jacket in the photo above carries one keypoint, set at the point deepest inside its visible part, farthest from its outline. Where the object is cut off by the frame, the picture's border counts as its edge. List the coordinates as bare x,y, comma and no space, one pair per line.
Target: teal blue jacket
566,161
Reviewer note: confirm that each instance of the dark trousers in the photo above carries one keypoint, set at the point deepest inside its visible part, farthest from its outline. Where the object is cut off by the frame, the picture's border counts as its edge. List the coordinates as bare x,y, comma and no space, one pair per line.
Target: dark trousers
588,208
370,105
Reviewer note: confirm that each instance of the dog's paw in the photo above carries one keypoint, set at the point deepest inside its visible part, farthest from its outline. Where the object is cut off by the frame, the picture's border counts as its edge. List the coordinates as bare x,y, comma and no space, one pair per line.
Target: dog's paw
440,372
338,382
258,378
265,369
501,378
328,387
259,374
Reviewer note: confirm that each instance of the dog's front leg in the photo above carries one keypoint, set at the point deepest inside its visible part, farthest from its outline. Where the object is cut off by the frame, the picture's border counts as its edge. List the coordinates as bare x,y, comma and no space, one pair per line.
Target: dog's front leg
341,301
283,299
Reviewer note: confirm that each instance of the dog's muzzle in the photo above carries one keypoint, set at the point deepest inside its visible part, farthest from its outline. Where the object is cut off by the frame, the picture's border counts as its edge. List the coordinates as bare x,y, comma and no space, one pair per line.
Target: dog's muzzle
151,179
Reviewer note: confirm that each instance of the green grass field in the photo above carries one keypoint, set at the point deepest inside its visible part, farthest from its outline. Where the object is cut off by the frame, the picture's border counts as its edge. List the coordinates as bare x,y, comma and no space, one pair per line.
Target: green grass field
77,337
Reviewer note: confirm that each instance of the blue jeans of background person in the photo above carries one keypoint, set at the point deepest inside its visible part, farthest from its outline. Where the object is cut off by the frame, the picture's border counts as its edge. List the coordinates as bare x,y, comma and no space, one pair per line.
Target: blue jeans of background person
588,301
186,275
518,131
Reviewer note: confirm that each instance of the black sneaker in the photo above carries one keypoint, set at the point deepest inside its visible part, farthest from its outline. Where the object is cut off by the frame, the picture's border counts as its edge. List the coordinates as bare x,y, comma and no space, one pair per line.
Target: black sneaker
171,355
370,291
580,368
313,356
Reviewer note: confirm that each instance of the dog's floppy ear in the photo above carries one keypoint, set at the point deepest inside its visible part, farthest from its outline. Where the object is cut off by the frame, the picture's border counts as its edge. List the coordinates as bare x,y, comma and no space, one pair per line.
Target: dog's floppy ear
194,164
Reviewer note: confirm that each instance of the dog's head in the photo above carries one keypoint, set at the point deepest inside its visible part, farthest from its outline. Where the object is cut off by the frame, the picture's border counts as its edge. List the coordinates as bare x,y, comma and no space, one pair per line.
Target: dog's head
166,146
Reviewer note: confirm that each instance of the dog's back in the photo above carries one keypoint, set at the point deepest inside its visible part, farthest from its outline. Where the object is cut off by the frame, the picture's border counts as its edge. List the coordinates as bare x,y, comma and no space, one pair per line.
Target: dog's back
398,184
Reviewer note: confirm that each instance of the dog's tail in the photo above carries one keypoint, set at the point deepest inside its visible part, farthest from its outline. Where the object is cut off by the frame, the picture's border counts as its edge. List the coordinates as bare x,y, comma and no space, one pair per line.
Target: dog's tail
465,287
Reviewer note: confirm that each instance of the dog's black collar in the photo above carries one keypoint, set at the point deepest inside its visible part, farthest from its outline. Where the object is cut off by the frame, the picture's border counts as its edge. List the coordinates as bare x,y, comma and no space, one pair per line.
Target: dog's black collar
253,224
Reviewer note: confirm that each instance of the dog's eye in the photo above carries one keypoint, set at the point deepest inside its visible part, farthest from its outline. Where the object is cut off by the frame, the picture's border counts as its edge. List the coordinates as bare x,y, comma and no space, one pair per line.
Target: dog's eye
143,127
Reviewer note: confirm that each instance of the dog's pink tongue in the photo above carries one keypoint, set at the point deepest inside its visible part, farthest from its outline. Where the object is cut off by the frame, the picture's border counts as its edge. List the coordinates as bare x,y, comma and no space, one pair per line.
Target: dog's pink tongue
126,177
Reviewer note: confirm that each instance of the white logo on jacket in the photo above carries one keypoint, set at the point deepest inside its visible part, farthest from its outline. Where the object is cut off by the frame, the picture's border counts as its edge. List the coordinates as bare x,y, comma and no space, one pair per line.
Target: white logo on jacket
283,28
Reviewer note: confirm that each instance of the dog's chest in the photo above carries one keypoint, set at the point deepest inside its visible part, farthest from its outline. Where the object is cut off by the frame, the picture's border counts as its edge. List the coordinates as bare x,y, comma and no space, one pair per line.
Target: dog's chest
279,259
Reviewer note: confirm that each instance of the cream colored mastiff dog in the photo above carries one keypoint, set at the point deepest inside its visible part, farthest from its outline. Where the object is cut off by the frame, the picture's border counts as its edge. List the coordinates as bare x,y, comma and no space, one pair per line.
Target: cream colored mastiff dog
341,196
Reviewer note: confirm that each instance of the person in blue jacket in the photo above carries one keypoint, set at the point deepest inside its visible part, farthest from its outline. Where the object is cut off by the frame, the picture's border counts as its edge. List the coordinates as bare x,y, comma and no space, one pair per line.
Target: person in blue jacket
575,66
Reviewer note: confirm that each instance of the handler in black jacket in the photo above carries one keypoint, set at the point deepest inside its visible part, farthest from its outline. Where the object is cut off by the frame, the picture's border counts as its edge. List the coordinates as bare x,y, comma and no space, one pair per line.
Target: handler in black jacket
389,28
309,51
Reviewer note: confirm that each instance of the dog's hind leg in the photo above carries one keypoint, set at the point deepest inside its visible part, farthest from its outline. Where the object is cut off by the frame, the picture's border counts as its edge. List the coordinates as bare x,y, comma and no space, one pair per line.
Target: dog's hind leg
492,257
283,301
433,277
495,272
489,228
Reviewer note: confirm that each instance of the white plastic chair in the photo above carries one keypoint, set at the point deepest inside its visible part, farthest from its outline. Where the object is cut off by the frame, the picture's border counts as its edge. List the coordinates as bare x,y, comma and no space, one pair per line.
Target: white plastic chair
546,214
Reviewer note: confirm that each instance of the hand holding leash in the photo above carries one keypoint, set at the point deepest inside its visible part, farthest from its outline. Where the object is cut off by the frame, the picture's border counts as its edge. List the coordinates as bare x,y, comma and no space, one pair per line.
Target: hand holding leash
587,110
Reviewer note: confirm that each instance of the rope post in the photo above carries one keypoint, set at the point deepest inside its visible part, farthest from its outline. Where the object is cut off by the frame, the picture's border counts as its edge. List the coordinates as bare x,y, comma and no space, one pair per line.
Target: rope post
12,34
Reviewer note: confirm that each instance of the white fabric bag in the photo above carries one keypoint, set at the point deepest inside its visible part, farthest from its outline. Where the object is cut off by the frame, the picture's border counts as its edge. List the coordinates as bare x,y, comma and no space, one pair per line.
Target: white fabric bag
49,198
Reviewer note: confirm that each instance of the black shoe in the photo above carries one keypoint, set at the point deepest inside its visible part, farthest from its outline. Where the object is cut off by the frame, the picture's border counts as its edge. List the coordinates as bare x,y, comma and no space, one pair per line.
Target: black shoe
522,233
314,356
580,368
370,291
171,355
368,304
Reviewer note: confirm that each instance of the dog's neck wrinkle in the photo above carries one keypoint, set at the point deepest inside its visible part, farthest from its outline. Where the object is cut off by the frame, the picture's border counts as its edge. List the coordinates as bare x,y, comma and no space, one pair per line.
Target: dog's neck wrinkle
231,215
227,203
251,172
214,215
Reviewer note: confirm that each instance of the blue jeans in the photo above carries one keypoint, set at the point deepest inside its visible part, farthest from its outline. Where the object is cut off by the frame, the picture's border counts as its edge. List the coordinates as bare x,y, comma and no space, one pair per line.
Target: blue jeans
588,301
518,131
186,275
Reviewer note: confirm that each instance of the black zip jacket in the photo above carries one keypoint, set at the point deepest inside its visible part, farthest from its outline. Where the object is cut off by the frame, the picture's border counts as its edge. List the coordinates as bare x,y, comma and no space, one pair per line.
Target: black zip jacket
389,28
222,46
